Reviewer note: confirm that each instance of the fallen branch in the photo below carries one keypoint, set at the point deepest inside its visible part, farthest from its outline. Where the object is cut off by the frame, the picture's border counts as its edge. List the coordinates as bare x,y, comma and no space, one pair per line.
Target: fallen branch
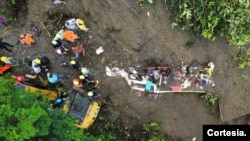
60,18
45,28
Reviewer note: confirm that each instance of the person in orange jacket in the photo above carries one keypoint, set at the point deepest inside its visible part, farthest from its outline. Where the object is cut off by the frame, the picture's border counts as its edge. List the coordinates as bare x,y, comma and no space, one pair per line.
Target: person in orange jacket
78,49
27,39
70,36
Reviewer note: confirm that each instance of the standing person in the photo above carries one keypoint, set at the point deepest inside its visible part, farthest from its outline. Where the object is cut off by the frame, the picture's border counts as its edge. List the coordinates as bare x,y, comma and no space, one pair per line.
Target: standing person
55,77
4,44
78,49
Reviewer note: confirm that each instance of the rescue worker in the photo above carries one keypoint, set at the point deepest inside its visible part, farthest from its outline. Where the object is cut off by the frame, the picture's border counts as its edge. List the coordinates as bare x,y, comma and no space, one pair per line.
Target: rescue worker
210,68
4,44
77,83
27,39
71,24
87,73
93,95
57,103
75,63
59,35
148,86
60,49
55,77
80,24
70,36
78,49
6,60
88,83
36,65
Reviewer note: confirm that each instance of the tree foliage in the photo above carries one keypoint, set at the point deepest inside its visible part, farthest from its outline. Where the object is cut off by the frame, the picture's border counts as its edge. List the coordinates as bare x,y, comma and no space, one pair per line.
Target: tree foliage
214,18
27,116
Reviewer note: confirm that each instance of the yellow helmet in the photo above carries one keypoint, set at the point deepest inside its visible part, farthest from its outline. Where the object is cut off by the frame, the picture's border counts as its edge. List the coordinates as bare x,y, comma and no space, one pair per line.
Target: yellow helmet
82,77
201,75
4,58
37,61
76,82
80,22
72,62
54,42
90,93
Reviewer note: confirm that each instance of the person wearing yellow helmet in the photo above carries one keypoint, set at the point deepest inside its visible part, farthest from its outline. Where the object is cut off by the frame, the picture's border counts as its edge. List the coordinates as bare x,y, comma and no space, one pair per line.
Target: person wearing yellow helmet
36,65
80,24
75,63
77,83
37,61
6,60
93,95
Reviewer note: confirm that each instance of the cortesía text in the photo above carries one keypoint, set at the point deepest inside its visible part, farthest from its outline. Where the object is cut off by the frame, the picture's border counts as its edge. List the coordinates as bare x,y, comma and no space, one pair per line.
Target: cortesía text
237,132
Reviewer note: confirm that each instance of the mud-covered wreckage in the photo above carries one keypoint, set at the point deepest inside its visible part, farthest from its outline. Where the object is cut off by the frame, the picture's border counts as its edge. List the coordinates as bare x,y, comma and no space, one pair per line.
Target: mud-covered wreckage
176,83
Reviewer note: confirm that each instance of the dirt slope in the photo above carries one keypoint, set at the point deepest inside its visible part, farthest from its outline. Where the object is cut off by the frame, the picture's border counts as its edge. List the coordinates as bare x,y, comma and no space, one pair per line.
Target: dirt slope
129,36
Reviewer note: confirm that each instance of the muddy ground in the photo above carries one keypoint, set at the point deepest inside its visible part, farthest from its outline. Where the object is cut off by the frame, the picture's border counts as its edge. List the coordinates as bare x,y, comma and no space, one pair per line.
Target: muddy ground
129,36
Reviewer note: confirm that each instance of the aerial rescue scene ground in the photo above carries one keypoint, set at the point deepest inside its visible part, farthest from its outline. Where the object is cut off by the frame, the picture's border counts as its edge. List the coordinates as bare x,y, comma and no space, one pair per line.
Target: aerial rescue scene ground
129,70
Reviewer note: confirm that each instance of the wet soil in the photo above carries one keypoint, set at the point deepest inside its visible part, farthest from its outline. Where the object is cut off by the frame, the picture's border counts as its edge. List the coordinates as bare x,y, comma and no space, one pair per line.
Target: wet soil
129,36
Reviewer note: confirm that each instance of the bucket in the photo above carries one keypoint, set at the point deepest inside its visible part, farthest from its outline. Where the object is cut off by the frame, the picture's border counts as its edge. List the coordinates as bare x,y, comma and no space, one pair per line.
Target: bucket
99,50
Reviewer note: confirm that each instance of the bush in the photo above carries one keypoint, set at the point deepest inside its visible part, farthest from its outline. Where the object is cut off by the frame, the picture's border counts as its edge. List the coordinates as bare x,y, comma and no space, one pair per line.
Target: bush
212,18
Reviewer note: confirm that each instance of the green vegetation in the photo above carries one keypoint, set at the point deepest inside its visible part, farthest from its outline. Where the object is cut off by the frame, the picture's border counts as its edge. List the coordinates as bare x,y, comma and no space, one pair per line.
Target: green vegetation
27,116
153,131
213,18
144,3
242,59
210,99
189,45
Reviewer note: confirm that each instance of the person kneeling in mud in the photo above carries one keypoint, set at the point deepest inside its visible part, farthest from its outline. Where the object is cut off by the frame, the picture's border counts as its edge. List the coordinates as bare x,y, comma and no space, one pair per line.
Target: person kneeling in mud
59,47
